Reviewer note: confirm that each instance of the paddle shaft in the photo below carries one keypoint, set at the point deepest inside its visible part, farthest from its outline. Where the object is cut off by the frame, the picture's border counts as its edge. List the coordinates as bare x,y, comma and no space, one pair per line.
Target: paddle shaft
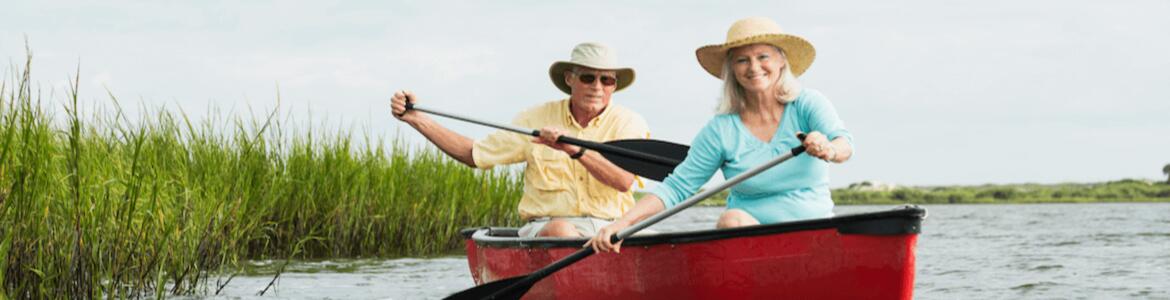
533,277
563,139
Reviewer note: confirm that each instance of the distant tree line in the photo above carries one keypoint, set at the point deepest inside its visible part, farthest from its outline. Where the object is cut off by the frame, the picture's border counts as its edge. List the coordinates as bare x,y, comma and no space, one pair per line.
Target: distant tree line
1128,190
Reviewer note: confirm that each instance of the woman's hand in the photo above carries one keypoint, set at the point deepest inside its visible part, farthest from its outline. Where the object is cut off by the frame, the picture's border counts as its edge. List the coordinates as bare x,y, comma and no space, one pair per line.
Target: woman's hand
548,137
398,107
600,242
817,145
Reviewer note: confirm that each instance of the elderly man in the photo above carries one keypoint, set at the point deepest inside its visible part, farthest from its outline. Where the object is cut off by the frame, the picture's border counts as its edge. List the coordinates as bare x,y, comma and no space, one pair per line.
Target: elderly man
568,191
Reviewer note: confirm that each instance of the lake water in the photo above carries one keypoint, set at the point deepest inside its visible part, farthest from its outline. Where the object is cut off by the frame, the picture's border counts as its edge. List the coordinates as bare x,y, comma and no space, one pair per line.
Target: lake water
1034,251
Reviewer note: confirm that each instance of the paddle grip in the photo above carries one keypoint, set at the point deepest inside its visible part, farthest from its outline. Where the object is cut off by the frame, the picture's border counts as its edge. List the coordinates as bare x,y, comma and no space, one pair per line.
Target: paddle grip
799,149
409,106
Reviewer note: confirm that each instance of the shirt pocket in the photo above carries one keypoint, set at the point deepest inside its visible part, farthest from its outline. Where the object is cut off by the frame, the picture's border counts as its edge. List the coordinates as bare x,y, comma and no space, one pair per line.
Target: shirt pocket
549,170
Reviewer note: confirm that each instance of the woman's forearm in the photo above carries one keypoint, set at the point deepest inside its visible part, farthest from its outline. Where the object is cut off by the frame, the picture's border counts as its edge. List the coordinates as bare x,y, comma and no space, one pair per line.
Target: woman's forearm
843,150
646,207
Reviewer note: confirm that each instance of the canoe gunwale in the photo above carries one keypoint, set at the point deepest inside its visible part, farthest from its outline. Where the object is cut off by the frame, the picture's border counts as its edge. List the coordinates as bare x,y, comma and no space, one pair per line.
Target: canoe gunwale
898,221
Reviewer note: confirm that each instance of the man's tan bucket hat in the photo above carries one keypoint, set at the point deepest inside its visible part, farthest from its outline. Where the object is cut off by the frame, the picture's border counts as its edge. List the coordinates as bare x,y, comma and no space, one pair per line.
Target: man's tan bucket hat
591,55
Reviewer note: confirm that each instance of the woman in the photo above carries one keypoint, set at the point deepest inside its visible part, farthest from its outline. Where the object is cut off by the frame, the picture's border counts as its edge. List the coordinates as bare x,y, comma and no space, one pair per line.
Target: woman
762,110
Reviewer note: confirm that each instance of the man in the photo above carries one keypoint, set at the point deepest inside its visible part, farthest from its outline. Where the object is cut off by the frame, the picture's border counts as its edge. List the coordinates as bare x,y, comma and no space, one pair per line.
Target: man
568,191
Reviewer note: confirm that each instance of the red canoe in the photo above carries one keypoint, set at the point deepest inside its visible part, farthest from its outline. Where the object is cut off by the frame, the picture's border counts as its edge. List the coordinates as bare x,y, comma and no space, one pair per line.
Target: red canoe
861,256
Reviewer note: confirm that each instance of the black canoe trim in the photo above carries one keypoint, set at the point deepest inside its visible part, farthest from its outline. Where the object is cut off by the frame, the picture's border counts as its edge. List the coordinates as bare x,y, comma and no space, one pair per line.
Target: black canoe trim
903,220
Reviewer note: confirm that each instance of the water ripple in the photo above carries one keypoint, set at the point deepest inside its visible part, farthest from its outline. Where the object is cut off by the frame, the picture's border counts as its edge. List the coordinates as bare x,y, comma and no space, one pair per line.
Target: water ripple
1035,286
1061,244
1046,267
1154,234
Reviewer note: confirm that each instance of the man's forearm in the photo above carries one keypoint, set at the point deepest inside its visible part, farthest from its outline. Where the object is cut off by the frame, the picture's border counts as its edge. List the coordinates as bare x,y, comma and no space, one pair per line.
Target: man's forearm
455,145
606,171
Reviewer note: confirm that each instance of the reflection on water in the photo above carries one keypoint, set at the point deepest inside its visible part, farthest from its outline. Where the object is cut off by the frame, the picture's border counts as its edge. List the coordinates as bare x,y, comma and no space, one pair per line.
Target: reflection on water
408,278
1067,251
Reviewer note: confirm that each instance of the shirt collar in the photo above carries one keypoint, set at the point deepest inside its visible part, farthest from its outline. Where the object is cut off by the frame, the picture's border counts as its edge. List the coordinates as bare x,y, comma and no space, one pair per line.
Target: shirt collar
596,121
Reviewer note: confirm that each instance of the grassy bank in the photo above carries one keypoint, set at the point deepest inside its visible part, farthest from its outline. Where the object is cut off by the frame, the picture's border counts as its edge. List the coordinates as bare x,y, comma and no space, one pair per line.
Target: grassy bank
1114,191
93,205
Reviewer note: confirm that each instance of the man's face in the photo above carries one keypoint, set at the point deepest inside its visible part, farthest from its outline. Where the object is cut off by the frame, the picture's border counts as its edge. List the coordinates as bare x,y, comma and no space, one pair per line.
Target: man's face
591,88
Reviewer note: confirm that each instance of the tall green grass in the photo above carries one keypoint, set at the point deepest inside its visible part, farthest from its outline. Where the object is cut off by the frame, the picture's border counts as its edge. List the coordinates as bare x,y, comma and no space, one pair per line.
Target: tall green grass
96,205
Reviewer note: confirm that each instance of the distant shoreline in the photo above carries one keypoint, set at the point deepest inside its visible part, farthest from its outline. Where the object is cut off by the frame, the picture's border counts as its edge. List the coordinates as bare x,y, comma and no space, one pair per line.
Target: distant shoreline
1121,191
1028,201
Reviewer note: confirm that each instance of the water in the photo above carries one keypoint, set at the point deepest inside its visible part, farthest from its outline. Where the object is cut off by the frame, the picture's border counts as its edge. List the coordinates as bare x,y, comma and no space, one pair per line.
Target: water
1041,251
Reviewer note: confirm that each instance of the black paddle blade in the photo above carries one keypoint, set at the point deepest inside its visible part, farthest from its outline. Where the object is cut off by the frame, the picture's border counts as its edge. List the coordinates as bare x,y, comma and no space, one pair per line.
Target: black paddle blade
486,291
655,171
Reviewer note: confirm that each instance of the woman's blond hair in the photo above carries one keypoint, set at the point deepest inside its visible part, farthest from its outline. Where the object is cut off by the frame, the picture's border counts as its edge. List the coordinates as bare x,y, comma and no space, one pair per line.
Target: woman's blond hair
732,102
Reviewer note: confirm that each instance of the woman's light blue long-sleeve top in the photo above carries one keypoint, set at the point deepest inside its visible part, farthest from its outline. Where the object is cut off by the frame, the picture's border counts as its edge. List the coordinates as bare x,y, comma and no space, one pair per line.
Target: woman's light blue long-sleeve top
794,190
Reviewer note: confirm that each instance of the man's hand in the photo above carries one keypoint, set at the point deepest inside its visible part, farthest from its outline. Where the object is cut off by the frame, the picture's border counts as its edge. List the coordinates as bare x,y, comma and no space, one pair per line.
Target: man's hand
548,137
398,107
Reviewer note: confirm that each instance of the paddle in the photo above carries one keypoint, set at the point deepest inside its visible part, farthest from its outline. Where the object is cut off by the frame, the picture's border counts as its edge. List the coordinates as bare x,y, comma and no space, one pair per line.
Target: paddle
516,287
653,159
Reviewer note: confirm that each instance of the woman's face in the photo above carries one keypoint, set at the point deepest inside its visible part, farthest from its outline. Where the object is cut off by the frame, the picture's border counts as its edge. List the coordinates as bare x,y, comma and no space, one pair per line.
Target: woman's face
757,66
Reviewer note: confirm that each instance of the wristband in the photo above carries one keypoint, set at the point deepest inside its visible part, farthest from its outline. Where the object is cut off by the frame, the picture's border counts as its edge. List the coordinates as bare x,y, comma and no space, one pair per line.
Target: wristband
578,154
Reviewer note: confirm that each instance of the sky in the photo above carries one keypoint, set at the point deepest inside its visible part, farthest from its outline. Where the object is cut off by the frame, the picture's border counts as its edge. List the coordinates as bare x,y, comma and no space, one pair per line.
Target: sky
934,92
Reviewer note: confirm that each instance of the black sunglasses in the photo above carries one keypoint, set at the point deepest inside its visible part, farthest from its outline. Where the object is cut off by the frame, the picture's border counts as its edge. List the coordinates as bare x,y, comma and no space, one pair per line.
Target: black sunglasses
589,78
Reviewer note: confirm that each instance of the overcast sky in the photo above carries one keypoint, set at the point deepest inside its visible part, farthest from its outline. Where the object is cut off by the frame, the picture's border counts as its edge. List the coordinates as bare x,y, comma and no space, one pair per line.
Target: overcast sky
935,92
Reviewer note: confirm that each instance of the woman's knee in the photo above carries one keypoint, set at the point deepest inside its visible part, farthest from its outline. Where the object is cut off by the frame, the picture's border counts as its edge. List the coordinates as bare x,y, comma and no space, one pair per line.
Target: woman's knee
736,218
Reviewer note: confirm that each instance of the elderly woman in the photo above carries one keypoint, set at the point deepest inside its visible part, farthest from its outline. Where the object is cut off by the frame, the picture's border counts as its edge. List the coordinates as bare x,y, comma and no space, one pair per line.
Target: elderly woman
762,109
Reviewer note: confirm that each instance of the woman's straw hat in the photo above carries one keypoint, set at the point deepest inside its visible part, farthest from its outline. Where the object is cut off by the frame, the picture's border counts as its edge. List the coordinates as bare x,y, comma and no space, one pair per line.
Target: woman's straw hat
755,30
591,55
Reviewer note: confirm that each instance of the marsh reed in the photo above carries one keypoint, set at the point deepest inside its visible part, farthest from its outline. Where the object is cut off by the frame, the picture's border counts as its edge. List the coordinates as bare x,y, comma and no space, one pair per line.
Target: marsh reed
94,205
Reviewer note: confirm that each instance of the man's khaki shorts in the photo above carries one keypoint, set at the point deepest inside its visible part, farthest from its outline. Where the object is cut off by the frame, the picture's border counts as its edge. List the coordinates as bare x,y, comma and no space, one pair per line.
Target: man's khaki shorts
586,226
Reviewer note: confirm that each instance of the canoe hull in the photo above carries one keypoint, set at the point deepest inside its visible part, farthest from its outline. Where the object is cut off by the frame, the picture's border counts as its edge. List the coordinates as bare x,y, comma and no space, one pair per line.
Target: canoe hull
815,259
